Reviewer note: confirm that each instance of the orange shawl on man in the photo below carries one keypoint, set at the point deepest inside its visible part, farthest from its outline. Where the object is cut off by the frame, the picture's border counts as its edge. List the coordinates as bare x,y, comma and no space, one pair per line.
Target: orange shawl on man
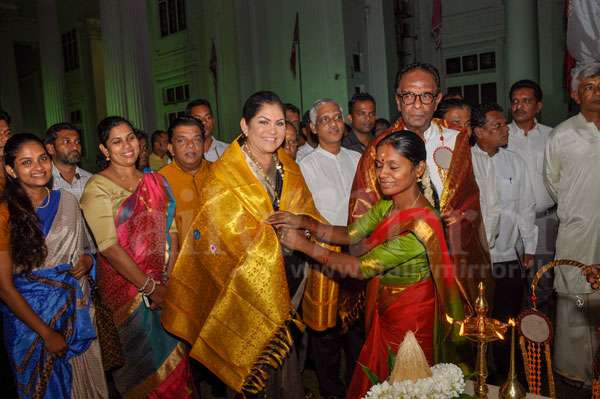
459,203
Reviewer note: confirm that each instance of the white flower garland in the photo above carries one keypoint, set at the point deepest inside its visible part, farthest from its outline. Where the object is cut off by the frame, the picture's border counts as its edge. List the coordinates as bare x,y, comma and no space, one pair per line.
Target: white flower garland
446,382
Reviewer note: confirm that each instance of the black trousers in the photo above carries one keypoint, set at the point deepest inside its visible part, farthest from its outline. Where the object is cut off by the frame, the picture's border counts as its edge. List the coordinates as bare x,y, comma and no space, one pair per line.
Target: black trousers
510,288
326,348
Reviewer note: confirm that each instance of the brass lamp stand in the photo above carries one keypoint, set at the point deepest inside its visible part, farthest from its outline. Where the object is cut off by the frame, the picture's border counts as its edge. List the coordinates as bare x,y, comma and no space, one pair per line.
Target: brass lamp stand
482,330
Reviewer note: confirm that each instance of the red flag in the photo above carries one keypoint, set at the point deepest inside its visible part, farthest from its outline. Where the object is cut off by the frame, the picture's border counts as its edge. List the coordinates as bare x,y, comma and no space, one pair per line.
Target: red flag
436,23
568,62
212,63
295,42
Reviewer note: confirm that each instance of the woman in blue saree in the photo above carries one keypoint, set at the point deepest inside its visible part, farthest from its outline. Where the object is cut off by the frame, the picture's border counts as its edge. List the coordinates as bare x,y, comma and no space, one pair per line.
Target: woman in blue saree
48,316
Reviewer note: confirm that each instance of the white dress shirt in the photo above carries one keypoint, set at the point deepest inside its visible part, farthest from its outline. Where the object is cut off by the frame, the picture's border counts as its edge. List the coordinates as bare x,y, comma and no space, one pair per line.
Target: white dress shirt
217,148
531,148
515,201
303,151
572,176
329,178
78,184
485,175
436,136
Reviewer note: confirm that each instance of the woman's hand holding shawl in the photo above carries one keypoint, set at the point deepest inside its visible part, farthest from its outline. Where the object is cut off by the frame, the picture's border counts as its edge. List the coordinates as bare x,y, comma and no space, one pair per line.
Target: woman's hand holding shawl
291,221
294,239
54,342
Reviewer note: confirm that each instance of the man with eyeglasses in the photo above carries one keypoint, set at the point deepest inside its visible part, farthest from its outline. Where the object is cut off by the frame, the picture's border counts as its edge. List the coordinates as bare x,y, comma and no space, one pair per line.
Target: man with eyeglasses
449,182
527,137
328,172
201,109
63,143
508,207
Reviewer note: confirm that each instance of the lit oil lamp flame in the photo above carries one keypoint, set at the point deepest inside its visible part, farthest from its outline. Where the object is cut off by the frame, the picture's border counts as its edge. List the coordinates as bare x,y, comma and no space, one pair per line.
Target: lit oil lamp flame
460,323
511,322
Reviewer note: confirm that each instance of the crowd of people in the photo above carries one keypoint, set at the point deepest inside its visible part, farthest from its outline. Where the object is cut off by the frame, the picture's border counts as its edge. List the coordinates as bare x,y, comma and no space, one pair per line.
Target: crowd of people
311,240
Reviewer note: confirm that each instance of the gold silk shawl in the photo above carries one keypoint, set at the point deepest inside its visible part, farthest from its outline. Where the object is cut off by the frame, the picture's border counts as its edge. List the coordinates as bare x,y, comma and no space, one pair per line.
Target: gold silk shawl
228,295
459,200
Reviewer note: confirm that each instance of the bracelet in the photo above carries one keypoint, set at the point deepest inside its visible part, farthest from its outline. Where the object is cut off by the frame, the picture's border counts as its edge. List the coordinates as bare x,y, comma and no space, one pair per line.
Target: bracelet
154,284
143,287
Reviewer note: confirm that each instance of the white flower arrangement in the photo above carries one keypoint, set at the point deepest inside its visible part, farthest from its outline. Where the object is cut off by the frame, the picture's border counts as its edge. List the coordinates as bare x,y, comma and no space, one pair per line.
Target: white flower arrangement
447,381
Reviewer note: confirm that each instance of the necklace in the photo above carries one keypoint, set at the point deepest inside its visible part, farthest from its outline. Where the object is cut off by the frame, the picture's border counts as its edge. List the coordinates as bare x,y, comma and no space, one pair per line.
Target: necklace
394,209
415,201
43,205
274,160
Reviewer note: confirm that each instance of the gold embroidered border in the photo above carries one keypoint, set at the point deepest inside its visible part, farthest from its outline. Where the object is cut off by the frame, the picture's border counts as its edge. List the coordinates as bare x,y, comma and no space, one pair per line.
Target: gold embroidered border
152,382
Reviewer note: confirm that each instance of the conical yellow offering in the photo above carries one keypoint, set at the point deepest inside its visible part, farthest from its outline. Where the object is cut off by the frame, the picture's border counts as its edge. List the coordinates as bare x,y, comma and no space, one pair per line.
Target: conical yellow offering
411,363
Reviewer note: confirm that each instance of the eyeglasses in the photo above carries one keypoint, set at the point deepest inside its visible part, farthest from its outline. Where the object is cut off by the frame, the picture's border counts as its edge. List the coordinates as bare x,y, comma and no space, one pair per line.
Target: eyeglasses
326,120
408,97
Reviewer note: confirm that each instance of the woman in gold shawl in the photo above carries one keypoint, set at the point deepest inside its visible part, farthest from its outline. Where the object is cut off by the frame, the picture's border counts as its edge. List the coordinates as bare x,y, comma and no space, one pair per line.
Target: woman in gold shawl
234,291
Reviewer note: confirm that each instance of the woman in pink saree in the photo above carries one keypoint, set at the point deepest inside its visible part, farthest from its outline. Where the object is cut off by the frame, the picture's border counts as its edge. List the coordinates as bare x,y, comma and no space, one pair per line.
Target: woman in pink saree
130,214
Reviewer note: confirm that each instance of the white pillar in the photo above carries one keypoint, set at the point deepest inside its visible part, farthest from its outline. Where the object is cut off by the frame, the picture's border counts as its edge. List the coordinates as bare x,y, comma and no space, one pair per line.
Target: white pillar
379,86
521,48
114,78
53,73
127,64
137,64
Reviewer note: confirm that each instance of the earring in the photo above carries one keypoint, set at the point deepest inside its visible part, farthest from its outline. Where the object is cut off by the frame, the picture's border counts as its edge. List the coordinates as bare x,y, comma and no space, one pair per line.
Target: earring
107,158
419,179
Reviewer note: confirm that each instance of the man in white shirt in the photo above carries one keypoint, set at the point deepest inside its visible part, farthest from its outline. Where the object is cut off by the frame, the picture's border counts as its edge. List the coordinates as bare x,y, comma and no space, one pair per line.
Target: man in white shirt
201,109
329,169
573,180
513,211
63,143
527,137
328,172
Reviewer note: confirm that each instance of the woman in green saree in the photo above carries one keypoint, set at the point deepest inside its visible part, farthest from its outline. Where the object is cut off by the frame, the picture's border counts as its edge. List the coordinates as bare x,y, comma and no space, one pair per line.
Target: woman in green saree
400,240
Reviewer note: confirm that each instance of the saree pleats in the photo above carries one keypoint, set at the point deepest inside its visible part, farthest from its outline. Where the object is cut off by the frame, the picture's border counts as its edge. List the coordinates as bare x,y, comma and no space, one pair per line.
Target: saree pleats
411,310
